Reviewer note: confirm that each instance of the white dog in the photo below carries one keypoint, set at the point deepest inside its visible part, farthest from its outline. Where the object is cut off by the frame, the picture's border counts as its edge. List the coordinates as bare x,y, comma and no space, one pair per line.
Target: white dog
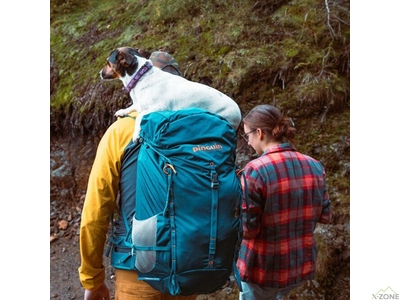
152,89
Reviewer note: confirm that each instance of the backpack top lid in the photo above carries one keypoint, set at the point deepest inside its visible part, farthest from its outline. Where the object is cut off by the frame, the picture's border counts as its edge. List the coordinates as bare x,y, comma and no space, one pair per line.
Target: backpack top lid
169,129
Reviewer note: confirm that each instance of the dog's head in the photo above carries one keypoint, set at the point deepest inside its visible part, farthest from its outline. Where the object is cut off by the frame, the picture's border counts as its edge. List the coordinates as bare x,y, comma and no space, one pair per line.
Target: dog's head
120,62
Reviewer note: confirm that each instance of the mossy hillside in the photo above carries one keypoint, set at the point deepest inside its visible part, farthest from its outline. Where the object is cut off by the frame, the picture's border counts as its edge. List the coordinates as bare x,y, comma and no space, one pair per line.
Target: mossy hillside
299,61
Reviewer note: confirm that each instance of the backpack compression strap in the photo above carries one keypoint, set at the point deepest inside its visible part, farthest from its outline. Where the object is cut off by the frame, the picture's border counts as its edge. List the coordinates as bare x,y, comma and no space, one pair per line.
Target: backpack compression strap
214,216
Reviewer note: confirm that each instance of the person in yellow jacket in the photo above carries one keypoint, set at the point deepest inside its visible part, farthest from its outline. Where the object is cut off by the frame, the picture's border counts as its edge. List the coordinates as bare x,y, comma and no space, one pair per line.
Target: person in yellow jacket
109,177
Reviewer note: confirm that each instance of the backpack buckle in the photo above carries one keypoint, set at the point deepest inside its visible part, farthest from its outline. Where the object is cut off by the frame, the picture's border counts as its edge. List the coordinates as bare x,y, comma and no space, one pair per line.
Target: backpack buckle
214,180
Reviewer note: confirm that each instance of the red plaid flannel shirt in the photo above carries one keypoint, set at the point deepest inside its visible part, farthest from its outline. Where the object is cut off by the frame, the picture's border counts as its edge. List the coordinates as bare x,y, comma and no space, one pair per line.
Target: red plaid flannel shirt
286,197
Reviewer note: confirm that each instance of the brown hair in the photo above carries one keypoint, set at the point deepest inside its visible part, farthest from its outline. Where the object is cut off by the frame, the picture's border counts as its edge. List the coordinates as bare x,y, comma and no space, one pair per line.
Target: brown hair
271,121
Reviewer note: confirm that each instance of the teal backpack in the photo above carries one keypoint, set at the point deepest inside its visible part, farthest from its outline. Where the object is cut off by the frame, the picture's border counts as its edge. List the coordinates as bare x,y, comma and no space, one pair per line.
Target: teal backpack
186,229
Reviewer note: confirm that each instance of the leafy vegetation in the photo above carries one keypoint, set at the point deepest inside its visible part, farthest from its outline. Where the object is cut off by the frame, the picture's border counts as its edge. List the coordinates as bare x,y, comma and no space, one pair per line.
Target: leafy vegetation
294,54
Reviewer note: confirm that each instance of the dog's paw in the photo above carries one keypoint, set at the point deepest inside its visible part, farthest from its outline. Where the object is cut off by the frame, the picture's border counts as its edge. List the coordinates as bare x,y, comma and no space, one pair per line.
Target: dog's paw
135,137
120,113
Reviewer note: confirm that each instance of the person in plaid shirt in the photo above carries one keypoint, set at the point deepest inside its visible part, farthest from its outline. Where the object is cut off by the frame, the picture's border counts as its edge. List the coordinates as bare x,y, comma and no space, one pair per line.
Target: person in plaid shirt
284,196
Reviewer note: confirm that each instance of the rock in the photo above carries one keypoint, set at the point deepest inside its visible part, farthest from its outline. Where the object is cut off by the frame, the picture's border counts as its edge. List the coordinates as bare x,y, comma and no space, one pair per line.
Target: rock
340,227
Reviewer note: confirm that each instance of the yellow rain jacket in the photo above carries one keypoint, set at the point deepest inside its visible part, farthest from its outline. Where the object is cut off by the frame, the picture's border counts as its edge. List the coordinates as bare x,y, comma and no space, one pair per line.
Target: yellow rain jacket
100,200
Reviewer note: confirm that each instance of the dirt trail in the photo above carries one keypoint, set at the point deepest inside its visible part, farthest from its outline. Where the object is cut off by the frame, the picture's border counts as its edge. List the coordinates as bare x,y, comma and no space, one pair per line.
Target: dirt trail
64,264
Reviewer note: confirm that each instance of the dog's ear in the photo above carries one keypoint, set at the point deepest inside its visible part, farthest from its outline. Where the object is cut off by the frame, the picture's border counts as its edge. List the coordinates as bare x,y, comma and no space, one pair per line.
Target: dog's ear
113,57
127,57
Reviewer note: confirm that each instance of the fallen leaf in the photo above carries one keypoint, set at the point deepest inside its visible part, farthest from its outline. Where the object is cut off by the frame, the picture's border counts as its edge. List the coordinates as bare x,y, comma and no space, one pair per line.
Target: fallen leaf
62,224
